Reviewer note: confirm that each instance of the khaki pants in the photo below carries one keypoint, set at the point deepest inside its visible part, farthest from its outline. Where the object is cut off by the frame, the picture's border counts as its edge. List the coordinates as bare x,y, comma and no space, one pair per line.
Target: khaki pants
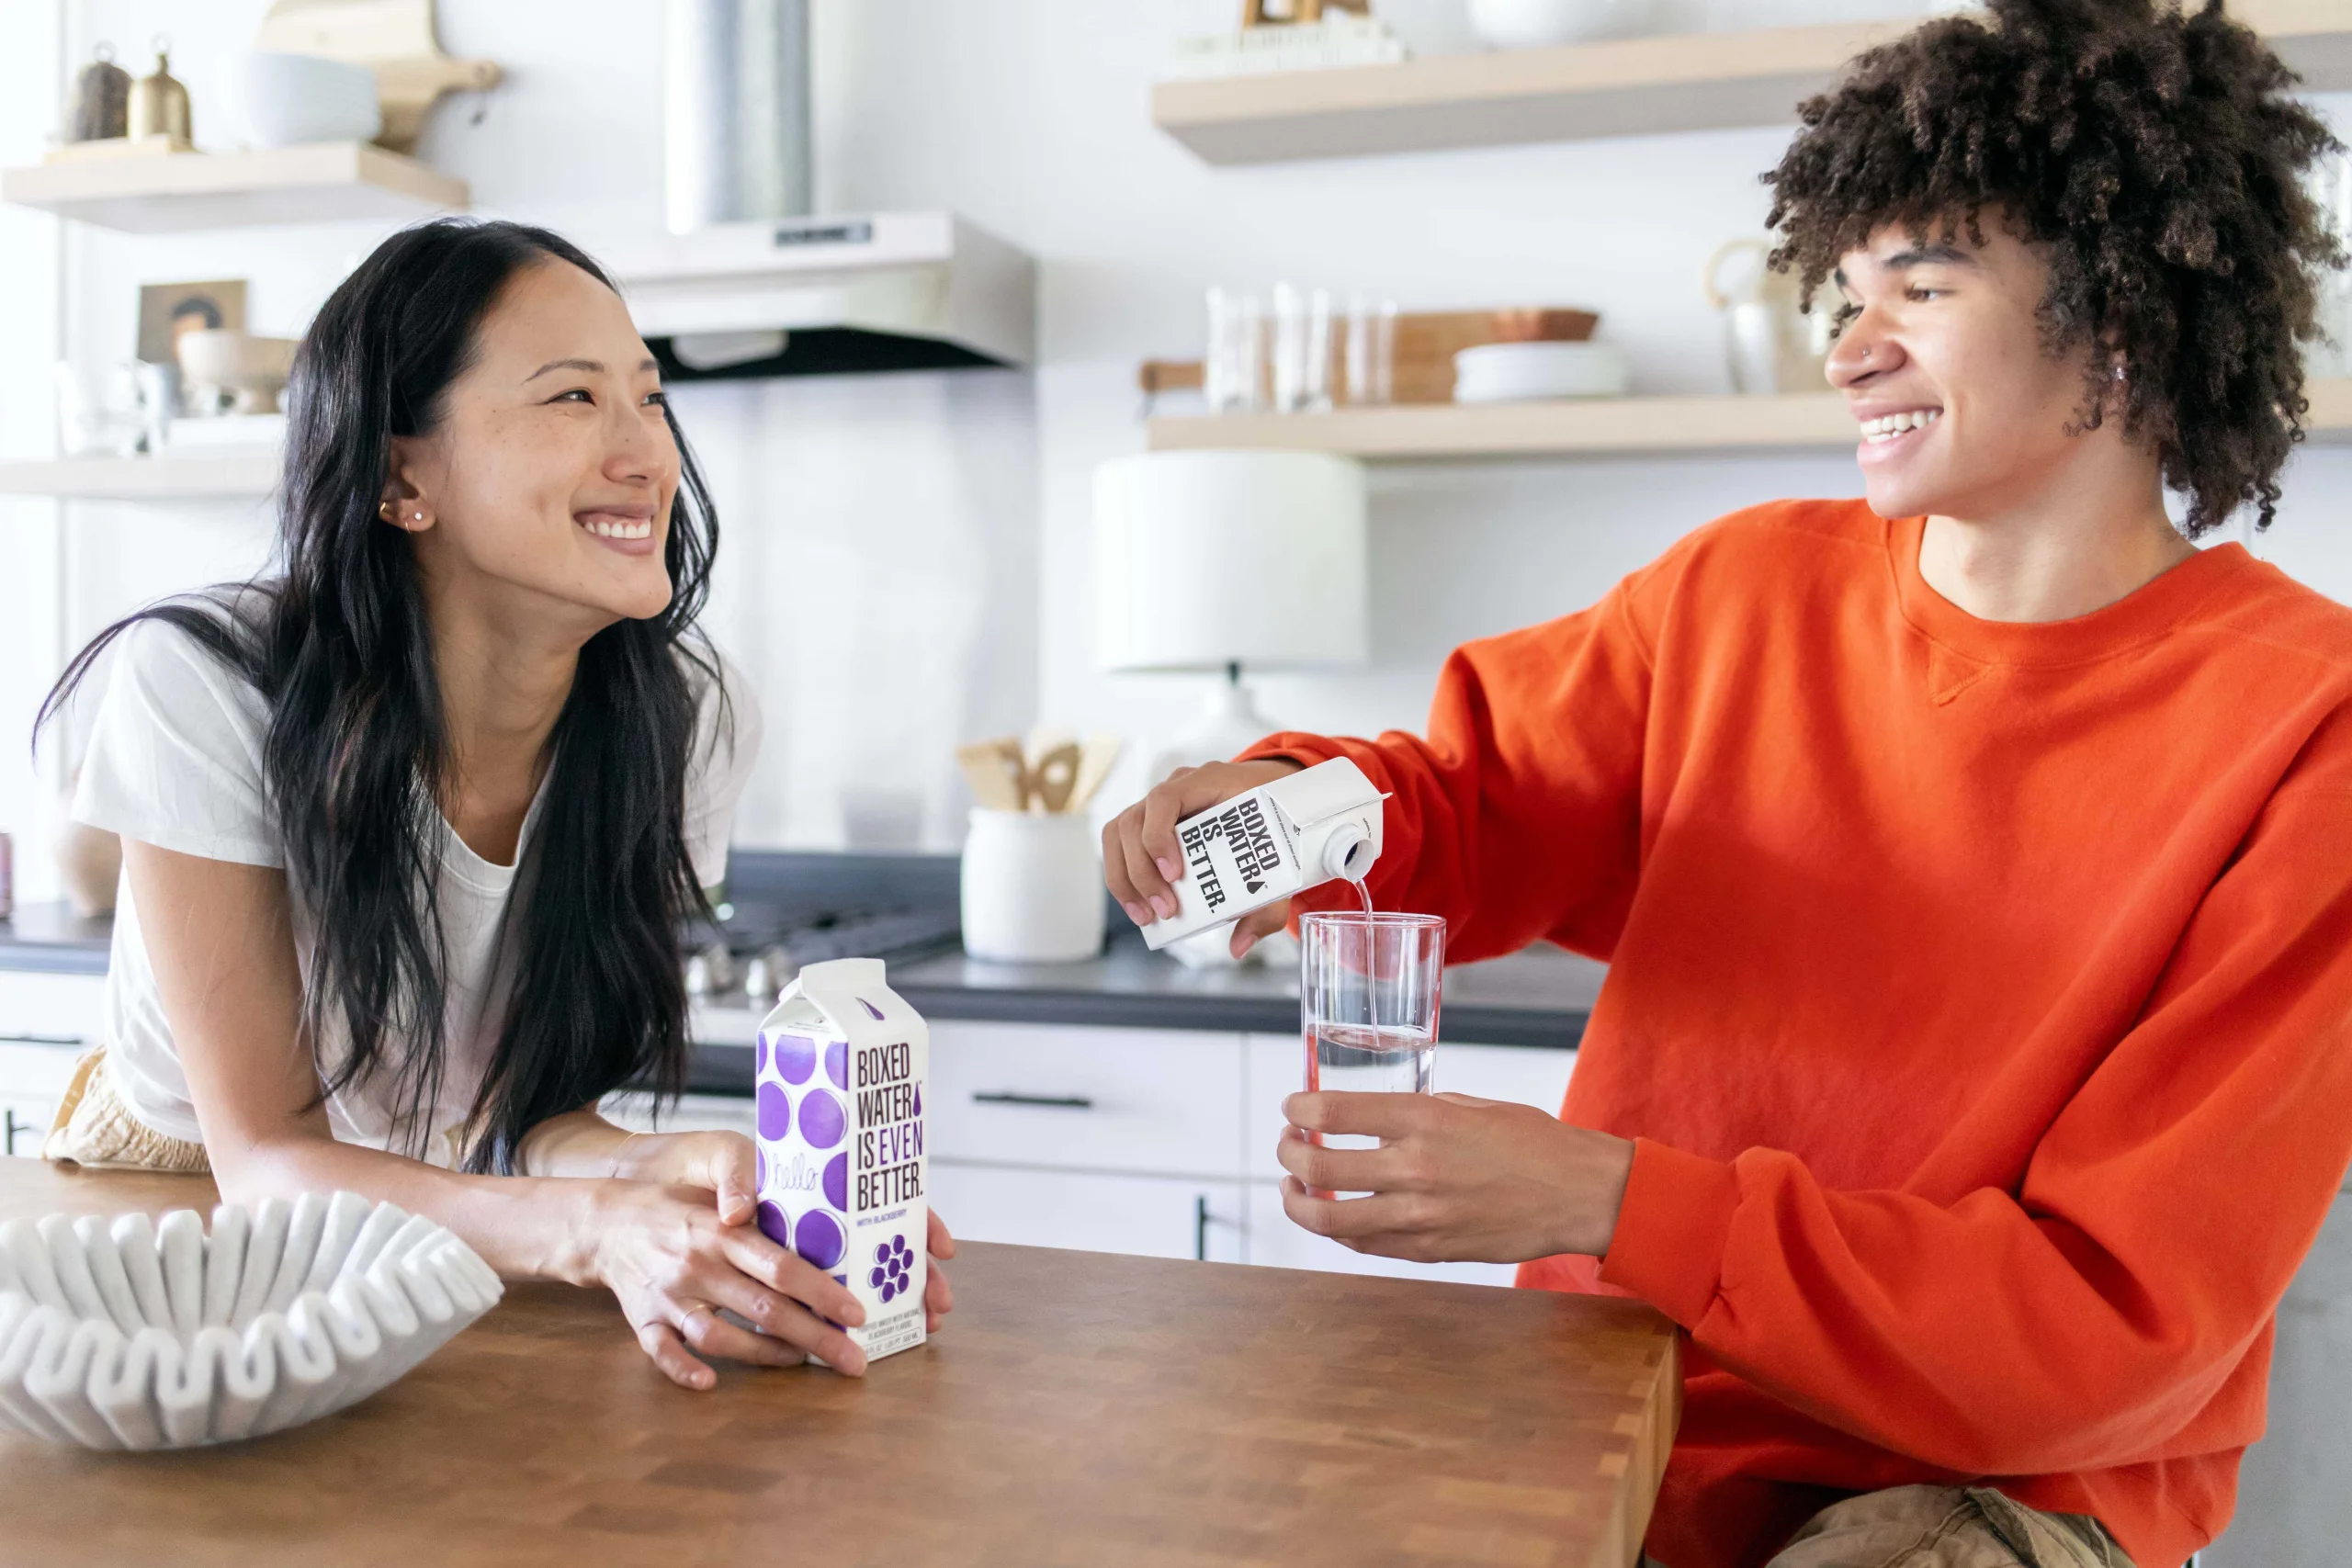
1945,1526
95,1128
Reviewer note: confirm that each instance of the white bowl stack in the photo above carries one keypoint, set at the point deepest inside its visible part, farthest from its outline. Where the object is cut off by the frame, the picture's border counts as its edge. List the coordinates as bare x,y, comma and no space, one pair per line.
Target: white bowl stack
1536,372
116,1332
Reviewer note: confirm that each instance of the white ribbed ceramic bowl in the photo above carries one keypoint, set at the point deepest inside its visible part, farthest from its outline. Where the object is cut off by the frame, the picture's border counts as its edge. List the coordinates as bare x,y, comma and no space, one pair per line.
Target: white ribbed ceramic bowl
116,1332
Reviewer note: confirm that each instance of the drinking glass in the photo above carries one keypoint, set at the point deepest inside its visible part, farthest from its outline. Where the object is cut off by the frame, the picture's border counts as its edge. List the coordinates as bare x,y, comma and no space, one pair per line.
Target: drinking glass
1302,349
1368,352
1234,370
1368,1004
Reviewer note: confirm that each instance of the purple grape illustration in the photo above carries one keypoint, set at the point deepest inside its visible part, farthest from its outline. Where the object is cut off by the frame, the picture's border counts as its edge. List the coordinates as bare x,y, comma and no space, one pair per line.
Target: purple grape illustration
796,1057
820,1238
837,1063
821,1122
774,1224
893,1268
775,1113
837,1181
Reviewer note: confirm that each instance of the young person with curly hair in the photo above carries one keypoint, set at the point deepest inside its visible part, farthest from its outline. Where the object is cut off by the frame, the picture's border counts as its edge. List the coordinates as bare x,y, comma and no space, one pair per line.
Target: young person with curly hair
1973,864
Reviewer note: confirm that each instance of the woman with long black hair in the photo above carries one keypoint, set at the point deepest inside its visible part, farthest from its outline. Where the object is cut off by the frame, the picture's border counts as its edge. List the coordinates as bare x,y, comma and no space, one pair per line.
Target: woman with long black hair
410,827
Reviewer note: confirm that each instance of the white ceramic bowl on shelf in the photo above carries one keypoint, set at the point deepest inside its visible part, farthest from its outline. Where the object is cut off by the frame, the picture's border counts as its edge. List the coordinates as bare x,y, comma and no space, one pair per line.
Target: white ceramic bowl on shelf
1532,372
290,99
116,1332
1543,24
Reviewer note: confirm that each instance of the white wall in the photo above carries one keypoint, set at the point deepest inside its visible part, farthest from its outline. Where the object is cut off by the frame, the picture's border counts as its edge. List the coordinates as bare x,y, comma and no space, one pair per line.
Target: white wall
907,560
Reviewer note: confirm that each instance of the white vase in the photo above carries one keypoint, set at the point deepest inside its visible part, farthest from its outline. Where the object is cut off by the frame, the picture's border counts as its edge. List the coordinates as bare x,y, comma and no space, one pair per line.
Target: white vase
1033,887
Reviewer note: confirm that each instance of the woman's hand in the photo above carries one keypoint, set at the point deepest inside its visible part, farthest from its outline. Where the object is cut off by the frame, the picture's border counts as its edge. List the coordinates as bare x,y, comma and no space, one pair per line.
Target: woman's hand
675,1265
1455,1179
724,1164
938,1301
1141,862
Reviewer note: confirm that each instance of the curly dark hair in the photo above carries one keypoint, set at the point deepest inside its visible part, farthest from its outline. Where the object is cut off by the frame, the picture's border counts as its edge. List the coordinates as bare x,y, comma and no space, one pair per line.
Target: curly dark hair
2156,159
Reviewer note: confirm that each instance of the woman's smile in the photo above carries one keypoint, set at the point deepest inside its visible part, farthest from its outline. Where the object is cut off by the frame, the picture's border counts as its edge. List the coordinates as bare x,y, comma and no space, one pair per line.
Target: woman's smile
626,525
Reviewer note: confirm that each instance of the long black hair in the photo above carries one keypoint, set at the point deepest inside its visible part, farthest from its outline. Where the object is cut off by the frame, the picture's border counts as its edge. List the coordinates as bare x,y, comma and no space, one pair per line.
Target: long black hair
356,757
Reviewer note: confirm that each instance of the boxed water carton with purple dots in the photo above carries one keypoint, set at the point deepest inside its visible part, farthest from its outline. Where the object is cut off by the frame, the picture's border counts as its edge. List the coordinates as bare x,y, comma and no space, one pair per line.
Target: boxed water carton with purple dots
841,1062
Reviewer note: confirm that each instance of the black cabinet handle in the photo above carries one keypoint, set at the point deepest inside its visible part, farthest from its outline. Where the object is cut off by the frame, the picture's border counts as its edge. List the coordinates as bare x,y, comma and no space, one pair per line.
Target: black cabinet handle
40,1040
1051,1101
10,1128
1200,1228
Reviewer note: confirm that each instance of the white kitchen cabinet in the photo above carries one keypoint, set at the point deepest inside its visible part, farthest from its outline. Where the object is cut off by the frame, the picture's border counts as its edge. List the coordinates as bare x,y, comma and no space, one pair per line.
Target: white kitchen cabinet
1154,1102
57,1010
45,1022
1157,1216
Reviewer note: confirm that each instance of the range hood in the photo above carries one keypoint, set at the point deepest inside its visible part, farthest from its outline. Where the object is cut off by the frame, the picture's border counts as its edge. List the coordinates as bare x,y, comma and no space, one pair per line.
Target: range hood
830,296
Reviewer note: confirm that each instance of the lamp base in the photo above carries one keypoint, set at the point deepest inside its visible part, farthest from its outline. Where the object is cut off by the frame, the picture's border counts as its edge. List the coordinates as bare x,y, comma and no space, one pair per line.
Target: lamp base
1228,725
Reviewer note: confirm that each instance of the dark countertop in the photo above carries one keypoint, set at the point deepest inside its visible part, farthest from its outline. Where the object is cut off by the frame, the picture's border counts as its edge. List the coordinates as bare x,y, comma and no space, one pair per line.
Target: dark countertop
1538,998
50,938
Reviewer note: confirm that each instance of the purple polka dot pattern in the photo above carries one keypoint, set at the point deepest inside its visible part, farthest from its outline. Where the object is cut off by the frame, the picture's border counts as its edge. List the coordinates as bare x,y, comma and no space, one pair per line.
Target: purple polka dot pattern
893,1269
759,1056
774,1224
775,1113
817,1237
761,1156
837,1063
870,1008
796,1057
821,1122
837,1181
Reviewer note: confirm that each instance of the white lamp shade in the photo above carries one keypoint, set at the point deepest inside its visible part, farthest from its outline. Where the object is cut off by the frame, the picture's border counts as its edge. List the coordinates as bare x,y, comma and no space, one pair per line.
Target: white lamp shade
1209,559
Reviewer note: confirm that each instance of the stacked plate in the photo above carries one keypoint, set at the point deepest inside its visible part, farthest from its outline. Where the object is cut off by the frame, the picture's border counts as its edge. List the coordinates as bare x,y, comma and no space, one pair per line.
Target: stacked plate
121,1333
1532,372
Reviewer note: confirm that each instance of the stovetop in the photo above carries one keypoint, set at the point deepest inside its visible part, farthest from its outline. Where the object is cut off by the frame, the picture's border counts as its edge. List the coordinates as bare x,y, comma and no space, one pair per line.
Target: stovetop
759,946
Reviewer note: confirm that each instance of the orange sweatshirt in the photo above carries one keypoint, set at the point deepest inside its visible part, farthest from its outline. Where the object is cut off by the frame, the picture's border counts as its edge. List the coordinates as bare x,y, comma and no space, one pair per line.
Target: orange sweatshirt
1978,999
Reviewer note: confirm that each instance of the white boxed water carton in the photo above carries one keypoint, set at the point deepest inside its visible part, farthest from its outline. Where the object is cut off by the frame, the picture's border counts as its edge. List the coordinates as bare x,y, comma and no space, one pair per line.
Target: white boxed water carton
840,1065
1282,838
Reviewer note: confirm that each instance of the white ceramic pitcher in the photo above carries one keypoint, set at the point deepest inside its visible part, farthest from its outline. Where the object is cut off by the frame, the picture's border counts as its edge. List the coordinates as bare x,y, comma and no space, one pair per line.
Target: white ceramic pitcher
1771,344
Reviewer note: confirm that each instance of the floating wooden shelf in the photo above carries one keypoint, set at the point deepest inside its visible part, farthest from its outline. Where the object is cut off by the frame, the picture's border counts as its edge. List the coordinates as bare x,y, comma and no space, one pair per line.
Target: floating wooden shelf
214,476
1626,87
1593,427
161,193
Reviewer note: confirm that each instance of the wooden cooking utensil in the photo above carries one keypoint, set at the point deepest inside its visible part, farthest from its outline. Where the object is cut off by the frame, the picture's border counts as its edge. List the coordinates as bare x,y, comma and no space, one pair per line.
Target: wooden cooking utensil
995,774
1101,751
1054,776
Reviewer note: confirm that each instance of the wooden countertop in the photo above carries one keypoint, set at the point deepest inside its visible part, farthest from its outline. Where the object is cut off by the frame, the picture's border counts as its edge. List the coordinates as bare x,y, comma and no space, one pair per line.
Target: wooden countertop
1080,1408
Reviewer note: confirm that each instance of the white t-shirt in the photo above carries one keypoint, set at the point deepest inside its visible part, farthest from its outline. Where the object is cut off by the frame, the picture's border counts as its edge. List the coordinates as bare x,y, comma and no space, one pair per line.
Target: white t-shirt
175,760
